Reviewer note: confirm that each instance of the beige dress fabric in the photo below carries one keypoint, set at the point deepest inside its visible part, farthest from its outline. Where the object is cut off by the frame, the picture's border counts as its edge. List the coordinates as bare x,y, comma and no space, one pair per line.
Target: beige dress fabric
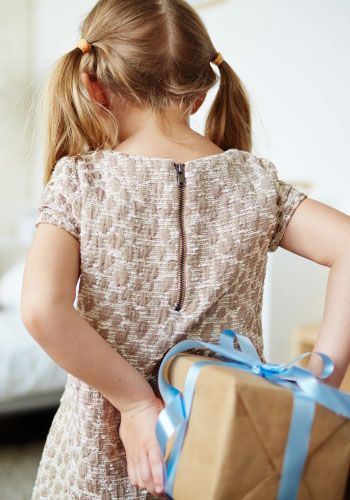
124,211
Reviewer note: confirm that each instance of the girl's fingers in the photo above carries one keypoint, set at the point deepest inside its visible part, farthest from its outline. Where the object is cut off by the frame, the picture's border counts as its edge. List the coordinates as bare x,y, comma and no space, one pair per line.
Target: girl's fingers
140,483
156,465
146,474
131,473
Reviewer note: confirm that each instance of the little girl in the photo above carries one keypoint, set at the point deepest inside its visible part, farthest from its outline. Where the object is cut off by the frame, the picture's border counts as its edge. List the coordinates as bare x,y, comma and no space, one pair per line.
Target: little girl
168,231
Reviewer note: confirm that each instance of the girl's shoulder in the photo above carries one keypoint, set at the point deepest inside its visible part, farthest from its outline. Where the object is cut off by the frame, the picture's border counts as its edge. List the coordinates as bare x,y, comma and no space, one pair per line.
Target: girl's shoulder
79,158
79,166
250,169
255,163
88,159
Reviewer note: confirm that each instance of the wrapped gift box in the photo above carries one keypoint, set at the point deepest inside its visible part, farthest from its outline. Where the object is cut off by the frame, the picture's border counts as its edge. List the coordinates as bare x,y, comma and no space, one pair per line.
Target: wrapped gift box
237,434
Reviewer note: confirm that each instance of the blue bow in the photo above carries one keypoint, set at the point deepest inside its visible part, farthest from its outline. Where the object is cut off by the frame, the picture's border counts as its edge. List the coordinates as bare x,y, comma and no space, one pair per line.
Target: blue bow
307,390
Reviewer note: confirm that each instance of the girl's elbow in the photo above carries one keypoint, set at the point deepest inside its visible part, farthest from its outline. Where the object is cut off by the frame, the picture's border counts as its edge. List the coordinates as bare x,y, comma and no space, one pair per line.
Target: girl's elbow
34,316
31,318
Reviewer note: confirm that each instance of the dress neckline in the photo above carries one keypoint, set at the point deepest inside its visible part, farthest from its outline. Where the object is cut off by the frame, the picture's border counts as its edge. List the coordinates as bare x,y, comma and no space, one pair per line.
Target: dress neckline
150,158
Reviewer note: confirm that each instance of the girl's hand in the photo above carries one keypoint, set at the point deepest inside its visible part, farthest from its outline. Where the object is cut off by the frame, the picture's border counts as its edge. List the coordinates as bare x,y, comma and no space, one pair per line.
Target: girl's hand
137,432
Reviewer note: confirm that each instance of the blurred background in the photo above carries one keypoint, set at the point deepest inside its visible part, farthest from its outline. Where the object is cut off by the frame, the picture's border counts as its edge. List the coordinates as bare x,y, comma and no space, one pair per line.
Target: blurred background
292,57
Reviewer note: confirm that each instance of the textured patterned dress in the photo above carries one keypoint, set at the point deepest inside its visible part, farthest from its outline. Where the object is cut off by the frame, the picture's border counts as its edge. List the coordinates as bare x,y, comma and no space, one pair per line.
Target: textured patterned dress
168,252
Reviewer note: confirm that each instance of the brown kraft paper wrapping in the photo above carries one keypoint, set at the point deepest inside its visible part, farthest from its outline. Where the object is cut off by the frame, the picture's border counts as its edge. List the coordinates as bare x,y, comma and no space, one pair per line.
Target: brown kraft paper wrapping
237,433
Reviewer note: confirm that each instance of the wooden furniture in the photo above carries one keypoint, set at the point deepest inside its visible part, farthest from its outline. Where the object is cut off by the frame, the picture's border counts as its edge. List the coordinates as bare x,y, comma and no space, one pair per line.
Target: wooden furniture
303,340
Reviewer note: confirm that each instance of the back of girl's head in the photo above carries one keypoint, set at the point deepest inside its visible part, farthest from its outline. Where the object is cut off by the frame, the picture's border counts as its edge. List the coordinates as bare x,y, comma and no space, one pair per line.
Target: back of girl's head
154,53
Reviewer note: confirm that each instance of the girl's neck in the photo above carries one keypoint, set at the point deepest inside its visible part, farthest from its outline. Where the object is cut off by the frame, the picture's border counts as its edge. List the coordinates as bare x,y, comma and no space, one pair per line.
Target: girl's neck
133,120
160,135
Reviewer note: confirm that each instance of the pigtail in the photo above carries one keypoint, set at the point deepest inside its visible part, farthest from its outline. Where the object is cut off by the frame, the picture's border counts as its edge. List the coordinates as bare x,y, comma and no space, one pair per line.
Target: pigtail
228,124
74,122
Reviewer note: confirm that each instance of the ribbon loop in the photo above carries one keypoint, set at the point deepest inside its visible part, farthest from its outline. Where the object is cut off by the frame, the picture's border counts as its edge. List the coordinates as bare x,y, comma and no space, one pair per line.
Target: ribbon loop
257,369
272,367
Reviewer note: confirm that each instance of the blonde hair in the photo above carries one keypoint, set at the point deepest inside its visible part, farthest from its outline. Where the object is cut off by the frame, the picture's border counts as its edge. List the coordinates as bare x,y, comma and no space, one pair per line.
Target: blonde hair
153,53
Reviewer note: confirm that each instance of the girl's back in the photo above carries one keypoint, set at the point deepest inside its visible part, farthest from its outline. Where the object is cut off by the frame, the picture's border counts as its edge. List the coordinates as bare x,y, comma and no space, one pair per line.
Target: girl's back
160,263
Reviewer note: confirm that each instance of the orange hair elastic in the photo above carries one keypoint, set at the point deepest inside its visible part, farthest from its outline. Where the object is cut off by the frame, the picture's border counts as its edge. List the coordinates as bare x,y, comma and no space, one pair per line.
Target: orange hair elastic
84,46
218,59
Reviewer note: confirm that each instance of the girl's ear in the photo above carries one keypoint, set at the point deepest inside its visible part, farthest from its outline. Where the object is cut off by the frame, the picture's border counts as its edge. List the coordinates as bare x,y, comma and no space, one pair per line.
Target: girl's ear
94,89
198,103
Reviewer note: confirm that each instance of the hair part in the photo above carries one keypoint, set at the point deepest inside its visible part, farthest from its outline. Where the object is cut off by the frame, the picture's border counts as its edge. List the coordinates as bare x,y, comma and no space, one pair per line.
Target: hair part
155,54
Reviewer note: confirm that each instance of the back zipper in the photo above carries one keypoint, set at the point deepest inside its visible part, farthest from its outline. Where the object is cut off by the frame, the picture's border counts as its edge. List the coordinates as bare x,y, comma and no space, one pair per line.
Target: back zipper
181,182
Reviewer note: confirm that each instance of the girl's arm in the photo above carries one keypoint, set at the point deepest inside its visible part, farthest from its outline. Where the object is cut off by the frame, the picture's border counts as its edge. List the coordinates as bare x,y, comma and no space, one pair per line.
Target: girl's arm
48,293
322,234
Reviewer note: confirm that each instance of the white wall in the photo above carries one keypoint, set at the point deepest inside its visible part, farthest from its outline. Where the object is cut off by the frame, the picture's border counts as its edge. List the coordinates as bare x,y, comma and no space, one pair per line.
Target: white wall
56,30
292,57
14,104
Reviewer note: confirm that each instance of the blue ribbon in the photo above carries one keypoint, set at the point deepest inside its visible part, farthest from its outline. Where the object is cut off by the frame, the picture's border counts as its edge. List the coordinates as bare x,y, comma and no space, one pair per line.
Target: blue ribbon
307,390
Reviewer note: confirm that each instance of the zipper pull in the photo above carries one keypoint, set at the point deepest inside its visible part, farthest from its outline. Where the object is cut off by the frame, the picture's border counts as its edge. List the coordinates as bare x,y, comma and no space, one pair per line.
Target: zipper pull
181,181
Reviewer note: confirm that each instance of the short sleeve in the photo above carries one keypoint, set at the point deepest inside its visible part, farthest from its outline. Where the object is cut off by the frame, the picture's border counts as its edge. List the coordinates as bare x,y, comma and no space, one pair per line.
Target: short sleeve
60,202
287,199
